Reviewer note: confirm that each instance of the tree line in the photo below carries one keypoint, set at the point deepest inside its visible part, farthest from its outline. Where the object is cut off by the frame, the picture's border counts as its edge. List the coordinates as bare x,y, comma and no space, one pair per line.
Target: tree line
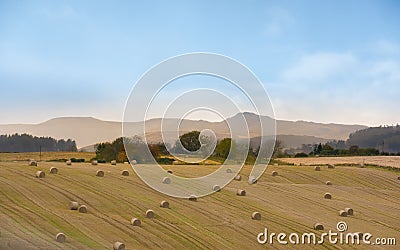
28,143
138,149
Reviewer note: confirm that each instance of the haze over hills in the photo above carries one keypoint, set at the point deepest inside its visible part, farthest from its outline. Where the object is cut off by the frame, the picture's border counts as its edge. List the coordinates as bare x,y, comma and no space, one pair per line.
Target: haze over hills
88,131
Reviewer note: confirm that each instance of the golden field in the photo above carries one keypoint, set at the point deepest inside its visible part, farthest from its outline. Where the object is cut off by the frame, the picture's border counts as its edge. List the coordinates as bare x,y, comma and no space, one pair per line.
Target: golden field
33,210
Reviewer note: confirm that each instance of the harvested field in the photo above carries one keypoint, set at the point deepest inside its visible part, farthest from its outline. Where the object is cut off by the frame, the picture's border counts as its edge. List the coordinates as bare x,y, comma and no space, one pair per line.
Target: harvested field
32,212
386,161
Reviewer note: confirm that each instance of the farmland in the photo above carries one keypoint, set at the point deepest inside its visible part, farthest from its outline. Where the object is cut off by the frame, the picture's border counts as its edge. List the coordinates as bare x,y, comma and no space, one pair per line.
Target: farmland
33,210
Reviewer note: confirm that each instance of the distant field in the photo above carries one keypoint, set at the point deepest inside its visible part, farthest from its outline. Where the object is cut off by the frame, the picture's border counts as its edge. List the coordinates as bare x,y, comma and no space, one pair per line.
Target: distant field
392,161
33,211
46,156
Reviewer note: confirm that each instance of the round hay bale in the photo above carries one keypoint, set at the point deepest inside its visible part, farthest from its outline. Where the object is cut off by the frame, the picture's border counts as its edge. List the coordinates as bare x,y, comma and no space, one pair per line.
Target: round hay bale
150,214
193,197
32,163
73,205
114,162
125,173
216,188
53,170
40,174
362,165
342,213
256,216
318,226
169,171
398,178
136,222
238,178
164,204
317,168
133,162
166,180
95,162
328,183
241,192
327,196
252,180
229,171
100,173
60,237
276,164
274,173
82,209
331,166
119,246
69,163
349,211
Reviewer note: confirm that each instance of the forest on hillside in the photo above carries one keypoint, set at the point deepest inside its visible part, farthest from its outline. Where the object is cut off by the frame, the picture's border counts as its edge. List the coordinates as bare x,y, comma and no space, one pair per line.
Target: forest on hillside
28,143
384,139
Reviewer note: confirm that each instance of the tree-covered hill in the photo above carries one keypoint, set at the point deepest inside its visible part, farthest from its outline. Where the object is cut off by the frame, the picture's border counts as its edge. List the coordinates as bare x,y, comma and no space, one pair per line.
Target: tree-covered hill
29,143
385,139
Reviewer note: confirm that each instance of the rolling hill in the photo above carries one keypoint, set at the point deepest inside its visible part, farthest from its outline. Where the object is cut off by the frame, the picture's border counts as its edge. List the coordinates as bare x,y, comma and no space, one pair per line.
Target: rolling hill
88,131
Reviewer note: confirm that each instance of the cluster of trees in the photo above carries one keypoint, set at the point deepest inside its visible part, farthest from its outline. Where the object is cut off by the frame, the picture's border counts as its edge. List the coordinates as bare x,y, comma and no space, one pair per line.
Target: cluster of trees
328,150
138,149
29,143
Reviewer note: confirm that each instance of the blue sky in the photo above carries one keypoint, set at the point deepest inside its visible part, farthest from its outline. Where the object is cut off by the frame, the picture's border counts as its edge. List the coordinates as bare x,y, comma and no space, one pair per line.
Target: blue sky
323,61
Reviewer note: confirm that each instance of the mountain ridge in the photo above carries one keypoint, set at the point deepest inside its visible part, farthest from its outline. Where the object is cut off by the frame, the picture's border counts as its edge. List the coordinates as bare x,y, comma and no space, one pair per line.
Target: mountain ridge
90,130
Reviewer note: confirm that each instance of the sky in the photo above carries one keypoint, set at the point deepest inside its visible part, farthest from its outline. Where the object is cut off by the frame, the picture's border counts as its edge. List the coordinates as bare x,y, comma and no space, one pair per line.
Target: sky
321,61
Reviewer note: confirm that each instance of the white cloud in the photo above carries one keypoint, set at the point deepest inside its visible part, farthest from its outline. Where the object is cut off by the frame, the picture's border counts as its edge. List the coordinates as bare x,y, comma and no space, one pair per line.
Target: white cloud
319,66
277,20
386,47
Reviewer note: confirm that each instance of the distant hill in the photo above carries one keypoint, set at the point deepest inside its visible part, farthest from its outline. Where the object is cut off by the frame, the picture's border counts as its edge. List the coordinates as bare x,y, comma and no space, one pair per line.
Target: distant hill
385,139
88,131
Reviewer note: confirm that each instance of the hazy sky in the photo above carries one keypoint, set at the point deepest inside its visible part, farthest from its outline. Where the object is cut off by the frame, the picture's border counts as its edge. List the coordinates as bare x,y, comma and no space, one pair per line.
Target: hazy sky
323,61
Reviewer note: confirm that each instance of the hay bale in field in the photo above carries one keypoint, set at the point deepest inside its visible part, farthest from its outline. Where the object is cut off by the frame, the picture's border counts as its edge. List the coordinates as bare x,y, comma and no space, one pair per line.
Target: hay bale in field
398,178
69,163
331,166
252,180
60,237
318,226
328,183
150,214
125,173
169,171
114,162
164,204
274,173
100,173
133,162
238,178
241,192
229,171
32,163
317,168
342,213
53,170
256,216
166,180
327,196
40,174
82,209
349,211
276,164
95,162
193,197
136,222
73,205
362,165
119,246
216,188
